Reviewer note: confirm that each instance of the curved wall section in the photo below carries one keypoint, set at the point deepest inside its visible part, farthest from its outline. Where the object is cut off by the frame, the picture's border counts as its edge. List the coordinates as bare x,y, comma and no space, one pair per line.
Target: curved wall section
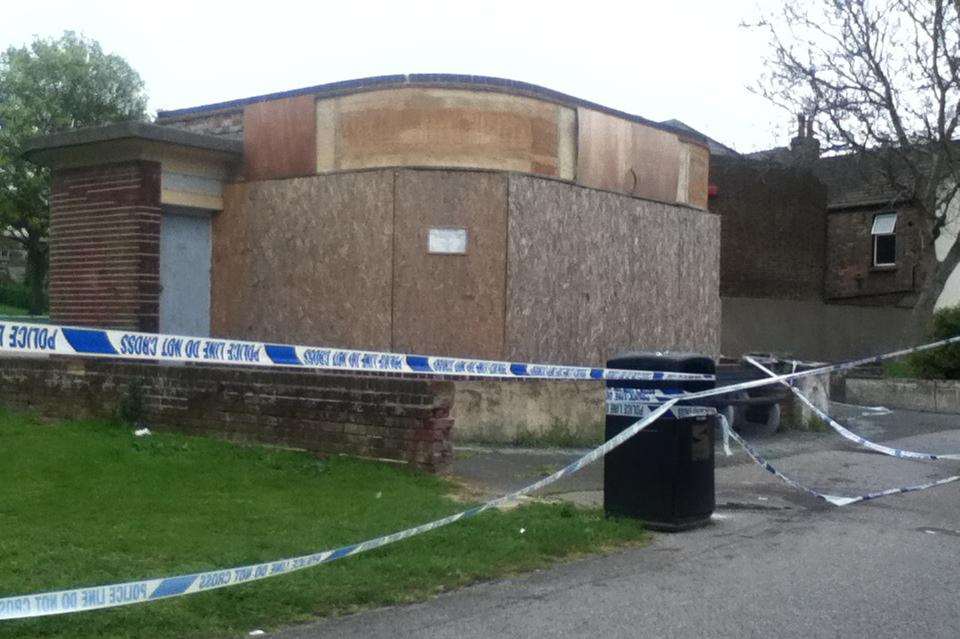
457,122
445,128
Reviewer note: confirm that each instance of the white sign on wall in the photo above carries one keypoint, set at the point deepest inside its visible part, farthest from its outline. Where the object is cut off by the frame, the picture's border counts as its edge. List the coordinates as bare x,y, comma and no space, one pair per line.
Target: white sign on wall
449,241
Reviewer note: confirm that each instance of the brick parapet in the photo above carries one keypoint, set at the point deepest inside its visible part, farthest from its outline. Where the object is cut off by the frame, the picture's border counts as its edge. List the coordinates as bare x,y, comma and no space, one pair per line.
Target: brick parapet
396,419
227,123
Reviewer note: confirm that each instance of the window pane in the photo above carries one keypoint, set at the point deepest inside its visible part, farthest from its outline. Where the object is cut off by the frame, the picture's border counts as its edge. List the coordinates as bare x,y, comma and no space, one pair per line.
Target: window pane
884,250
884,223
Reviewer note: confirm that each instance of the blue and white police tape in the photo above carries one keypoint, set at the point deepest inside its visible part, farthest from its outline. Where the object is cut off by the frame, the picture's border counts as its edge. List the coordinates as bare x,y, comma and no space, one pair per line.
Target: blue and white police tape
645,395
851,436
131,592
33,339
642,409
836,500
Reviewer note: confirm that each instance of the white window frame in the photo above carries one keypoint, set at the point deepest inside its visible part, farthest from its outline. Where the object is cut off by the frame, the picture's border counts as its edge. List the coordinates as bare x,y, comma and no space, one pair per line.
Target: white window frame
882,227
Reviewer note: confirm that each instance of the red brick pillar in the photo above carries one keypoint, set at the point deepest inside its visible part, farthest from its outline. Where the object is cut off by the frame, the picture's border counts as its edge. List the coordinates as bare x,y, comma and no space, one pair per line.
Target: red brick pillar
105,246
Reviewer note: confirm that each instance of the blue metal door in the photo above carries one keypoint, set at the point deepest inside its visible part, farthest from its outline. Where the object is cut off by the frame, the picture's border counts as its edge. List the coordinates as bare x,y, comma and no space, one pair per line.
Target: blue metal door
185,273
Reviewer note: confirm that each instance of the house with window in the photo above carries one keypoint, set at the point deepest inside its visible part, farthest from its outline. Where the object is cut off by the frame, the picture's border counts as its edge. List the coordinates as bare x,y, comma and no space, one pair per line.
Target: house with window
884,234
875,235
820,257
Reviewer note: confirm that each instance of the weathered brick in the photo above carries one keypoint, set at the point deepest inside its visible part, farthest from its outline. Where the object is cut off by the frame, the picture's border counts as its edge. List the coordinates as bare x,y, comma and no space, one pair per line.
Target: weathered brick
280,407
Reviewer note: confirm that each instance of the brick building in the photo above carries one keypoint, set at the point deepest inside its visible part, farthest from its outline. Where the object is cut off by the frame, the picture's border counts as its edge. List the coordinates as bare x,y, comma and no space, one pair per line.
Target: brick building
820,258
442,214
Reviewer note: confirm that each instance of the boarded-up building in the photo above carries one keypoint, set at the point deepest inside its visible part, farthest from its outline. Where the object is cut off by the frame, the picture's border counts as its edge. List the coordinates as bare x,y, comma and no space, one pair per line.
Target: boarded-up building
440,214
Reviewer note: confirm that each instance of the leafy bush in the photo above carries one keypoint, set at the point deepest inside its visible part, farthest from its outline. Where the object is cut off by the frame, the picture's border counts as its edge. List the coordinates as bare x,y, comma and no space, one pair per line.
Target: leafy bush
131,408
14,294
943,362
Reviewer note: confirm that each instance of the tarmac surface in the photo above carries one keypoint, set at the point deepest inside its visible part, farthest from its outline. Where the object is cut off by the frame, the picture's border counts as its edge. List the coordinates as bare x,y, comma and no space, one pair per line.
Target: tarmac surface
773,562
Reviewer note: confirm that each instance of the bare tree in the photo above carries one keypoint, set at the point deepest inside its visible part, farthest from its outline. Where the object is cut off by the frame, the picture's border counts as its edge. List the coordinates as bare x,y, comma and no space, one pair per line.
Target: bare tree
881,79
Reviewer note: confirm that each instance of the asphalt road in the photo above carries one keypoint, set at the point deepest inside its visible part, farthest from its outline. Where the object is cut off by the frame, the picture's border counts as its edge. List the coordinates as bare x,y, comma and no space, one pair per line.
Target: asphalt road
773,563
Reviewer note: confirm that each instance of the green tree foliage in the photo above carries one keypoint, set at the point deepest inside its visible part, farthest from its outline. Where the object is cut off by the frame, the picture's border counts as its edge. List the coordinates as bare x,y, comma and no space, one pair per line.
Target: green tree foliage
940,363
45,87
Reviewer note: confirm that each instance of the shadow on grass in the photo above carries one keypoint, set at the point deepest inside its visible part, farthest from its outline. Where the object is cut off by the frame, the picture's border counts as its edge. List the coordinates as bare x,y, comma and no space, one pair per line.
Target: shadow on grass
87,503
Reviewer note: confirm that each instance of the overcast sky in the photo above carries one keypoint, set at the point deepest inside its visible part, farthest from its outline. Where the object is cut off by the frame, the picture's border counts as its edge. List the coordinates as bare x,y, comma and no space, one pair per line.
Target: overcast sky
686,60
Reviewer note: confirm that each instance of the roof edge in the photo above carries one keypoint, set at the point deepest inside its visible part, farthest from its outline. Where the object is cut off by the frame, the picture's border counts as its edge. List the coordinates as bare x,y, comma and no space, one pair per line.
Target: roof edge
128,130
488,83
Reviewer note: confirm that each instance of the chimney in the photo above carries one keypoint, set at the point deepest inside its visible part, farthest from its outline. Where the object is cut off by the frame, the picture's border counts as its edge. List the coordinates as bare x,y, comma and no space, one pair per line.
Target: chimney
804,149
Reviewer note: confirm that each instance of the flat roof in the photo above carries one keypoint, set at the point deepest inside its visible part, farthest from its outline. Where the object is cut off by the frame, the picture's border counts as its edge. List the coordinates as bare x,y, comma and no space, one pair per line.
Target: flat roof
479,82
132,130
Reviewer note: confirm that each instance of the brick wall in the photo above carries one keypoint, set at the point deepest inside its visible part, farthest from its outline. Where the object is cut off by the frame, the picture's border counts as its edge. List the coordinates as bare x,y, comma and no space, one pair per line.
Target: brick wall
773,230
851,276
105,244
406,420
225,123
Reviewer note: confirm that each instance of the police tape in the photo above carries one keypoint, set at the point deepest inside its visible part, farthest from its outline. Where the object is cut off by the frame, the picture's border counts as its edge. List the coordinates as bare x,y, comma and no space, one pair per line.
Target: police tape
851,436
642,409
28,338
655,397
836,500
46,339
644,395
131,592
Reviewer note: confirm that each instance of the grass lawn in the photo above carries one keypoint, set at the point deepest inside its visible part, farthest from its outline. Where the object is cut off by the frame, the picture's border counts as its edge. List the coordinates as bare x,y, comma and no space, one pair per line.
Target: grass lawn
899,368
12,310
87,503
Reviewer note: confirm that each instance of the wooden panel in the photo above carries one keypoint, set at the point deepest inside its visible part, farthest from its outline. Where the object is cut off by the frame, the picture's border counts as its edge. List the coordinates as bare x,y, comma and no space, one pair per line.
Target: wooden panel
306,260
279,138
620,155
442,127
567,143
698,174
450,304
570,302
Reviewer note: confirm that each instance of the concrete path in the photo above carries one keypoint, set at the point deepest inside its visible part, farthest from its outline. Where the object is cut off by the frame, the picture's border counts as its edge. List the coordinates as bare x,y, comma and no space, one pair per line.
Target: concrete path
774,562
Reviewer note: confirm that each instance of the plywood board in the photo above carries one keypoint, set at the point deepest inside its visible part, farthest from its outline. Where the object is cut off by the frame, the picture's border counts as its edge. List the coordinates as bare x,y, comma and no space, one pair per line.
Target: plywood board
306,260
450,304
443,127
628,157
698,175
279,138
591,274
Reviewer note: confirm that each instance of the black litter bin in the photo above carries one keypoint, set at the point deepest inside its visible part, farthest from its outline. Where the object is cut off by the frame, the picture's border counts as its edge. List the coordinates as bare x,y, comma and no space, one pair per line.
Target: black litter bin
663,474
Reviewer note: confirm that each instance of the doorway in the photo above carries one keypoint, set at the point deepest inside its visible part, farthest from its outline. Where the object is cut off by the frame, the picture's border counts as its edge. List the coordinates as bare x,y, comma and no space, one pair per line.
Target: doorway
185,271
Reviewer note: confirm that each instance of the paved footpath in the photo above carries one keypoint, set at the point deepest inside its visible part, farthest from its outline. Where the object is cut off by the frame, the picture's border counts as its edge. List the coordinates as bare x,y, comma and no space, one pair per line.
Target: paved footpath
773,563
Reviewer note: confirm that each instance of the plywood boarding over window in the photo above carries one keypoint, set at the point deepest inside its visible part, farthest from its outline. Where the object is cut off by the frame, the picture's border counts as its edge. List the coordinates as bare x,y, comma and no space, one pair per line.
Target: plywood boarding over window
306,260
279,138
444,127
450,304
694,175
620,155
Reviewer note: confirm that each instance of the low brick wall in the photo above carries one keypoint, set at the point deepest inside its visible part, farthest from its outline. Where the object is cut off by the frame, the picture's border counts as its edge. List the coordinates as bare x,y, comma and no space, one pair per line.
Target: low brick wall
406,420
941,396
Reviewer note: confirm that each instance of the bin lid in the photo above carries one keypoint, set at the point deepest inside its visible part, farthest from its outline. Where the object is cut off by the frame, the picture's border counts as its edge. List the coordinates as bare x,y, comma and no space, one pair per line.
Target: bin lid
673,361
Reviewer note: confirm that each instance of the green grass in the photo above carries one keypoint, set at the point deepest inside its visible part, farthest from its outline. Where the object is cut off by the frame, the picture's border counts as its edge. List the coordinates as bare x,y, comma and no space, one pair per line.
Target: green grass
86,503
12,310
900,368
